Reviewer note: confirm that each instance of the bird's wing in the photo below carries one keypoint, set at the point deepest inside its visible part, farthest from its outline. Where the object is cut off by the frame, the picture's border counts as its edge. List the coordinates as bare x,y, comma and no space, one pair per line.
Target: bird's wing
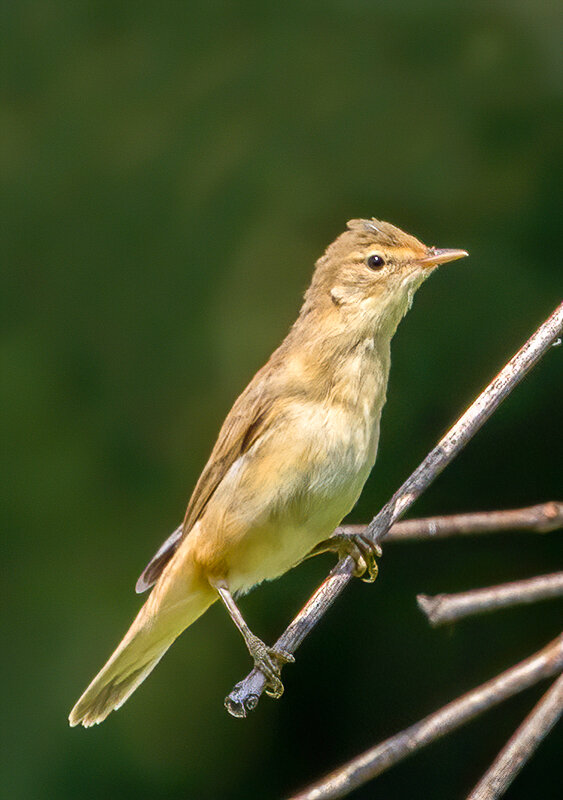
151,572
248,419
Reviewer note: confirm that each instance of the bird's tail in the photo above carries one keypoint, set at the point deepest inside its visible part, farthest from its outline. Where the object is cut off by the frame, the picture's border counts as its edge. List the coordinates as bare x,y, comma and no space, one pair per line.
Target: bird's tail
159,622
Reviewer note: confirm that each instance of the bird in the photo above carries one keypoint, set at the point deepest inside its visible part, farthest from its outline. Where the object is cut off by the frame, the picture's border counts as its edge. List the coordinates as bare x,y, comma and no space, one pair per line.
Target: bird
289,463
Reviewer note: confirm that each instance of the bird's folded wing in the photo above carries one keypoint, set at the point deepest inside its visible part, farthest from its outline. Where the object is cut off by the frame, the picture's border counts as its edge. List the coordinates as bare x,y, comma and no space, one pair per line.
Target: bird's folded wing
248,420
151,572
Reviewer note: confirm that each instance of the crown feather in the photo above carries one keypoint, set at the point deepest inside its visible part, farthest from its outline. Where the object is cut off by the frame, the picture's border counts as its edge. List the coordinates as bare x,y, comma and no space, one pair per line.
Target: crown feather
385,233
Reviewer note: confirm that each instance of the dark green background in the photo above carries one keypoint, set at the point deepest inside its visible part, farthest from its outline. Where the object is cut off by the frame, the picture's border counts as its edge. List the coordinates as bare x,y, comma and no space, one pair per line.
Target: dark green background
171,172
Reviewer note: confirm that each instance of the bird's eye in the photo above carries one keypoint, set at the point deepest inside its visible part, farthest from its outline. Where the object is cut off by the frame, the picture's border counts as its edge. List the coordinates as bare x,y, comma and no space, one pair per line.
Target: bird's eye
375,262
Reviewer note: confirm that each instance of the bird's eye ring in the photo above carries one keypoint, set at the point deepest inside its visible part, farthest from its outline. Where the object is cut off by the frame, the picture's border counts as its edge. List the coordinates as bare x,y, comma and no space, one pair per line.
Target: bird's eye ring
375,262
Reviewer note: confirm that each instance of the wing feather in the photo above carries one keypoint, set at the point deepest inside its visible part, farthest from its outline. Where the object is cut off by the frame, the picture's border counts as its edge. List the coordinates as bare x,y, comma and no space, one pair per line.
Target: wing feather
248,419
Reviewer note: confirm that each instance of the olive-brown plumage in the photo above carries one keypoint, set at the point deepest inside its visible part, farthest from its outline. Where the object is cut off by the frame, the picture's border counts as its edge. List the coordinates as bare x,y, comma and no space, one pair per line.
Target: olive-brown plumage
290,460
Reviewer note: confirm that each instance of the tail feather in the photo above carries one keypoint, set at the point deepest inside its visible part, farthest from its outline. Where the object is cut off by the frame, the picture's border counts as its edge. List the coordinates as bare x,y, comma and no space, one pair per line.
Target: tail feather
108,692
147,640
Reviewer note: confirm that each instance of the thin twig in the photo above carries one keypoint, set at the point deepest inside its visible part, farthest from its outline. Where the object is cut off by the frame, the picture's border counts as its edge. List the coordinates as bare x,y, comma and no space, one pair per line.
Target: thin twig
373,762
541,518
442,608
246,694
521,747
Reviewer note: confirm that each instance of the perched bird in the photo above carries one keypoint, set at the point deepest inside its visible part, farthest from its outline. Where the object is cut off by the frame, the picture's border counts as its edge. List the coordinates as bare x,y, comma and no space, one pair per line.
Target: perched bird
290,460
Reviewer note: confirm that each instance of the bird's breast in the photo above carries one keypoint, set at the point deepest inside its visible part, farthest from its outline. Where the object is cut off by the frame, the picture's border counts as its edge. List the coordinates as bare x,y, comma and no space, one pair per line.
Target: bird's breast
340,452
297,489
298,481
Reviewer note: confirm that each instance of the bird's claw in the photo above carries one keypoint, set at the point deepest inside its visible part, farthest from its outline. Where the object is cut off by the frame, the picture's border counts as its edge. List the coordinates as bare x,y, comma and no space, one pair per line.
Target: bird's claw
364,552
269,661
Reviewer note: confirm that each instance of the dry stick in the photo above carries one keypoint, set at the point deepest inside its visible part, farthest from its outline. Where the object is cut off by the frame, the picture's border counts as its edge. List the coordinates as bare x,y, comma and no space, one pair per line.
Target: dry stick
442,608
541,518
521,746
246,694
373,762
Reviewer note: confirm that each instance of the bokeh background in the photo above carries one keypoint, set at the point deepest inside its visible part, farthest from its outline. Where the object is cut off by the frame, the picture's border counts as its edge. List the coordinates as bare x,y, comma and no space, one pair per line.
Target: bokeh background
171,171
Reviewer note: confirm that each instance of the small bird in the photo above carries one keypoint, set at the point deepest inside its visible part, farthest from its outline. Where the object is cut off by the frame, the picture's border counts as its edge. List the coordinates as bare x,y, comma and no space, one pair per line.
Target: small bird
290,461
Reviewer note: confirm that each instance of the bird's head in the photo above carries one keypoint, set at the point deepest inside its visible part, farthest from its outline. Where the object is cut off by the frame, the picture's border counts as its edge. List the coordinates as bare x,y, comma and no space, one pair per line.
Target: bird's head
372,270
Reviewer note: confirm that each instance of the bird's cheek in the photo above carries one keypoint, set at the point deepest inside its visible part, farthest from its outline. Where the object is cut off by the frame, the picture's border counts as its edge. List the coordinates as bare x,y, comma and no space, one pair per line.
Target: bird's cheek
346,294
338,295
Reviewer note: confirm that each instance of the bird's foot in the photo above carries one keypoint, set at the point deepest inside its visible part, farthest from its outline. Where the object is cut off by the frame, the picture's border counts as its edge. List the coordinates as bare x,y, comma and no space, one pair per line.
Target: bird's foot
359,547
269,660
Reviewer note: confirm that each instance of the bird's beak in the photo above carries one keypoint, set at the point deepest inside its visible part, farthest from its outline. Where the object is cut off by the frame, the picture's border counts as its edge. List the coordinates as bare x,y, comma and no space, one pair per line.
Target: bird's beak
437,255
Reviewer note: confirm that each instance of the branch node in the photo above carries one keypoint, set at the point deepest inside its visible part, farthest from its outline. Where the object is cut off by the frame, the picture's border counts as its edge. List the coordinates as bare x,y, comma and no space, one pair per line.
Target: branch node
430,606
240,706
553,515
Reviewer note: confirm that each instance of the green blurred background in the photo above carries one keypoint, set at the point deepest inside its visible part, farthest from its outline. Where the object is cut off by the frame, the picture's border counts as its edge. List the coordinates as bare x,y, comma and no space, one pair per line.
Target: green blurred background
171,172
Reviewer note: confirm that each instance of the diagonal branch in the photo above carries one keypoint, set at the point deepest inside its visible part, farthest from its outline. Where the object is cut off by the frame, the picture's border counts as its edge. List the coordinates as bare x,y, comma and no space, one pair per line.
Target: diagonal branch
541,518
442,608
246,694
521,746
373,762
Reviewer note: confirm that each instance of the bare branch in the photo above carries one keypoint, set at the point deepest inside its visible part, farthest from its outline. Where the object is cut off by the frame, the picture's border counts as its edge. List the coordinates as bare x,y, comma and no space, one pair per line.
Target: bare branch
521,747
246,694
373,762
442,608
541,518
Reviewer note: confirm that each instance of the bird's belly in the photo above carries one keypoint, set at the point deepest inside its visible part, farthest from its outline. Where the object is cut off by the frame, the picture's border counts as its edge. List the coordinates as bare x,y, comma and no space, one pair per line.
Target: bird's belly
272,549
323,489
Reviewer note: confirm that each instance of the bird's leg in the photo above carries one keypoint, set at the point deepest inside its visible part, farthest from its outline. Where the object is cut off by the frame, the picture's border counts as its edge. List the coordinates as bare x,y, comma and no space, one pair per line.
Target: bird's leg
267,659
361,548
